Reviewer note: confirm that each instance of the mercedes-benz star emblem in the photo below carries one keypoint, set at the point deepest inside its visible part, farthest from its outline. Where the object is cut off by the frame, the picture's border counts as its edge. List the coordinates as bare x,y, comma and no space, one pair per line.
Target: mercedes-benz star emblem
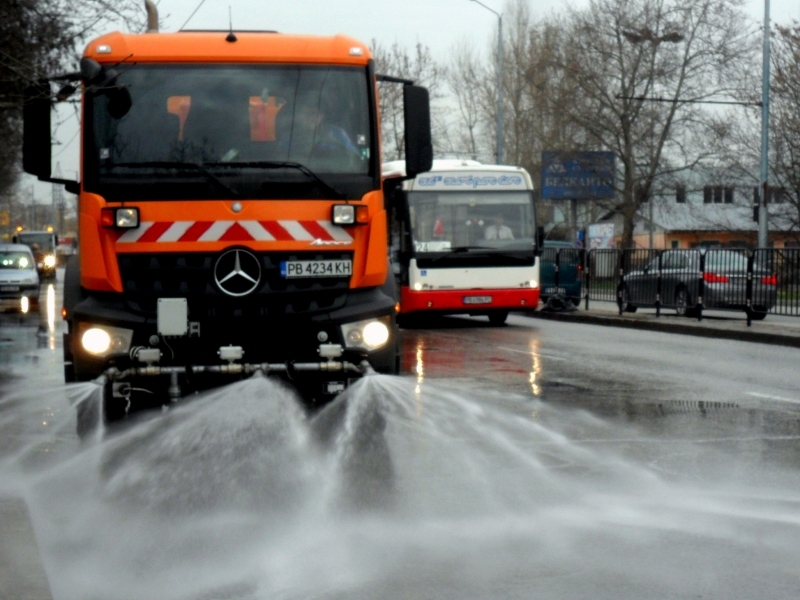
237,273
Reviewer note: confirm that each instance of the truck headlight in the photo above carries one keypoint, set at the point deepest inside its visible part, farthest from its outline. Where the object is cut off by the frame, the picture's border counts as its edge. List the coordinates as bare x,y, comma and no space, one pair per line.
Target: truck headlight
121,218
50,261
349,214
370,335
101,340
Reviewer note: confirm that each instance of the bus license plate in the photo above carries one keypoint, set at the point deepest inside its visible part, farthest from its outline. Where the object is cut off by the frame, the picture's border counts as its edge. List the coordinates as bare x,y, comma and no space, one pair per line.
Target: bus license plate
316,268
477,300
555,290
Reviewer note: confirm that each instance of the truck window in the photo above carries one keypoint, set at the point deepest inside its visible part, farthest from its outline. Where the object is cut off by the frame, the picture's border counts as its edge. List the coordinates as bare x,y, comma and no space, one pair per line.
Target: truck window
45,241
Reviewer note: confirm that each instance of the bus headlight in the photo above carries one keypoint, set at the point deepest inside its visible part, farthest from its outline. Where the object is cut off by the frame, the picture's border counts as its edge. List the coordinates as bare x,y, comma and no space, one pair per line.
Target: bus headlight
50,261
101,340
370,335
534,283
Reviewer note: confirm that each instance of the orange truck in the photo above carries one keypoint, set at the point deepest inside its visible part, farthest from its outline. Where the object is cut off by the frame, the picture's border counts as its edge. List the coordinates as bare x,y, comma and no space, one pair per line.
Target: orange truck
232,216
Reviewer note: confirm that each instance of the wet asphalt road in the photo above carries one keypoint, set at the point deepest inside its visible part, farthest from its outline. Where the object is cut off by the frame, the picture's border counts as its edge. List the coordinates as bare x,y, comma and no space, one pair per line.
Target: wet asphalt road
711,421
740,398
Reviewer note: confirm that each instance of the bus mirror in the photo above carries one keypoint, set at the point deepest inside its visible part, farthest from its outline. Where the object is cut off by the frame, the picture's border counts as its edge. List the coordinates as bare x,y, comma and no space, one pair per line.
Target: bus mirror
417,118
539,240
36,130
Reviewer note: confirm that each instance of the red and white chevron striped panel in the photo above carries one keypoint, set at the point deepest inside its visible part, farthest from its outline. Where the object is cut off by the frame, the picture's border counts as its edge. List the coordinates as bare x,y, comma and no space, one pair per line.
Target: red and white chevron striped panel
234,231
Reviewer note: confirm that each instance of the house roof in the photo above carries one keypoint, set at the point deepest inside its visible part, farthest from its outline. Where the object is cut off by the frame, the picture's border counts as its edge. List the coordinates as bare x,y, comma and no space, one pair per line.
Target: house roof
670,216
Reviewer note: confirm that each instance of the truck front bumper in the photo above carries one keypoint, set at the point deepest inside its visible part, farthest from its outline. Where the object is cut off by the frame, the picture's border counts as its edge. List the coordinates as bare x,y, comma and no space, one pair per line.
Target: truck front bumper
287,345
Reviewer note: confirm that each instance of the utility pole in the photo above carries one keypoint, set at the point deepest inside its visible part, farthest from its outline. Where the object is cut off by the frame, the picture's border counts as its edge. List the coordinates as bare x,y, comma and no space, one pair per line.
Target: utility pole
58,201
763,225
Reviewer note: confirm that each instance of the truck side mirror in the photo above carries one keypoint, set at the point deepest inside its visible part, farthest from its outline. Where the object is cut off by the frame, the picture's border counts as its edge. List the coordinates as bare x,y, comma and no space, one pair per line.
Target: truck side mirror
417,118
36,130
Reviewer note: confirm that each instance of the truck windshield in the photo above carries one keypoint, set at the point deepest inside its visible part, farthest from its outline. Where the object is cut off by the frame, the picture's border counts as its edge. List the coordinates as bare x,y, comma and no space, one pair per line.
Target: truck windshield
229,119
471,221
44,241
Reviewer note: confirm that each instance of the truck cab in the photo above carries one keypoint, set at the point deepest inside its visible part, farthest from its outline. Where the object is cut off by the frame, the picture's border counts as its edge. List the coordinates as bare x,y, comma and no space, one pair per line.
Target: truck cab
43,245
231,213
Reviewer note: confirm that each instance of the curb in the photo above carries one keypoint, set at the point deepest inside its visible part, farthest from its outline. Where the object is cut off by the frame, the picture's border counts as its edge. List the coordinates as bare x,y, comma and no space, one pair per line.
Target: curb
758,337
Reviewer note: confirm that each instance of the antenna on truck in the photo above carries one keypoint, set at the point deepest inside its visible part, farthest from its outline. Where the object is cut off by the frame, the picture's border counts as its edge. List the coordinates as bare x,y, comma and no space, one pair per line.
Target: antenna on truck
152,16
231,36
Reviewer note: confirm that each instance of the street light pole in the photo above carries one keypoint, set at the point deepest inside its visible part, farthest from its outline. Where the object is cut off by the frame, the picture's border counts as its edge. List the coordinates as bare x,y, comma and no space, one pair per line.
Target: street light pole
499,154
763,226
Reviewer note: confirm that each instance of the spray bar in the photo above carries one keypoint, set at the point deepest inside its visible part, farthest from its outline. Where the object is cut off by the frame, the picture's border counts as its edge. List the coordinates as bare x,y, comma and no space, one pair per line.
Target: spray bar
331,366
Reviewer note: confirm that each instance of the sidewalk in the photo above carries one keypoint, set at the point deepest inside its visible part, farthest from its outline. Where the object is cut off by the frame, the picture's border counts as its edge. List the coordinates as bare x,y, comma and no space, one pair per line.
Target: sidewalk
775,329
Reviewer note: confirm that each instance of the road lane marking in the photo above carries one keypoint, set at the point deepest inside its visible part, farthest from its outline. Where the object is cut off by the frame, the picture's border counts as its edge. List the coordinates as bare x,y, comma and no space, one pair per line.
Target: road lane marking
530,353
771,397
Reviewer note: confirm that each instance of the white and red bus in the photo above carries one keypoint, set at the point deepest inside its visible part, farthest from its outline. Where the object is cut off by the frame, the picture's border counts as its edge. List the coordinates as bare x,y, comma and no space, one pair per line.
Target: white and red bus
468,242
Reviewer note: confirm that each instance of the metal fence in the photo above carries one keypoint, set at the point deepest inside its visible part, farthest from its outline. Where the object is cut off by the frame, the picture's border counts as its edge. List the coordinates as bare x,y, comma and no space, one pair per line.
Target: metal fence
758,282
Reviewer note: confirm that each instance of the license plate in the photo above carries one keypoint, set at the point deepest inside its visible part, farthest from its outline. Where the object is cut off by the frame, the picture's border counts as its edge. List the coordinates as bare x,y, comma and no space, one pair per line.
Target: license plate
555,290
477,300
316,268
9,288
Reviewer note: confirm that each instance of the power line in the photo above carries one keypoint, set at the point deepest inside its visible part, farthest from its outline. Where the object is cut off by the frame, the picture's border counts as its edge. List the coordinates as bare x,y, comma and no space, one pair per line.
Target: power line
193,13
679,101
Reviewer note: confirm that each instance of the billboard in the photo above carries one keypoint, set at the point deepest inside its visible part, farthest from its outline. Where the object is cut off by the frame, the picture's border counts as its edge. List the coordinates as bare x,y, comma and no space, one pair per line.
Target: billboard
601,236
577,175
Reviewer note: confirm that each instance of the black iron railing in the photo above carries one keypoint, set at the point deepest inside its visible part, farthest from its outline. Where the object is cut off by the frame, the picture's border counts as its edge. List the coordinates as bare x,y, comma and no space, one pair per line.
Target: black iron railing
758,282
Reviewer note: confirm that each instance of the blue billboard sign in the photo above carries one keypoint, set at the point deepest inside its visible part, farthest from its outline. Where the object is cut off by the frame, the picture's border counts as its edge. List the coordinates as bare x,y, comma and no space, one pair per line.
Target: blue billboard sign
577,175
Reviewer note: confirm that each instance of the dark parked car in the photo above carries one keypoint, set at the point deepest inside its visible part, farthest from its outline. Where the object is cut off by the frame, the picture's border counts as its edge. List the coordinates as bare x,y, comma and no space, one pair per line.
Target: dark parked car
569,274
724,283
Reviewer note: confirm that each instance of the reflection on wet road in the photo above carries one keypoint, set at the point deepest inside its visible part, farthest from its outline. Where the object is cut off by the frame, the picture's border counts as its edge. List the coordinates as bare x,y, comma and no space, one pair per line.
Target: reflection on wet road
540,459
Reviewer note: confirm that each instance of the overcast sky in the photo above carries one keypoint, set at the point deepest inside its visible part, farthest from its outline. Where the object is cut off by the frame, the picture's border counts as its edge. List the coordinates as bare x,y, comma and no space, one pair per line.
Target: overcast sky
438,24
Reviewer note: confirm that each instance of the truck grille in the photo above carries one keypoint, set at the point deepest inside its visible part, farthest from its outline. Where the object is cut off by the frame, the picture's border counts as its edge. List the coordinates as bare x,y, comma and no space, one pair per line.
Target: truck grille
147,277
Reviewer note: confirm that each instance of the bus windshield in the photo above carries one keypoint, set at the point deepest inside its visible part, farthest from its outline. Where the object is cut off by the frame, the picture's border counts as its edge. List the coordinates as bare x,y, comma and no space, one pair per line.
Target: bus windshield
464,221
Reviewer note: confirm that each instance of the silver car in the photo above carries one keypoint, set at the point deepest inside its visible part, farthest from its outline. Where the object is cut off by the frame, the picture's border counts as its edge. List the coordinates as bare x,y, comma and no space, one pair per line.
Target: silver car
19,280
724,277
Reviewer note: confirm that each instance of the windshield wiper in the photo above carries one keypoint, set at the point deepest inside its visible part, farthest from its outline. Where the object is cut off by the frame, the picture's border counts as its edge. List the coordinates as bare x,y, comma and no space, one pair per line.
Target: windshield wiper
269,164
199,167
477,250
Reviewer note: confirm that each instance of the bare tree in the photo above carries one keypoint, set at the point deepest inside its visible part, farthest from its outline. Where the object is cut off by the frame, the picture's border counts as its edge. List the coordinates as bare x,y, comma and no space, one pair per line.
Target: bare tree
785,125
639,67
420,67
40,38
466,77
536,89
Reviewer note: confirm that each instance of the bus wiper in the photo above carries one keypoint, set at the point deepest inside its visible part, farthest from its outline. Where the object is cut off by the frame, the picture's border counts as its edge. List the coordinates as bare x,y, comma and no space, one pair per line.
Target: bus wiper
269,164
449,251
199,167
477,250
